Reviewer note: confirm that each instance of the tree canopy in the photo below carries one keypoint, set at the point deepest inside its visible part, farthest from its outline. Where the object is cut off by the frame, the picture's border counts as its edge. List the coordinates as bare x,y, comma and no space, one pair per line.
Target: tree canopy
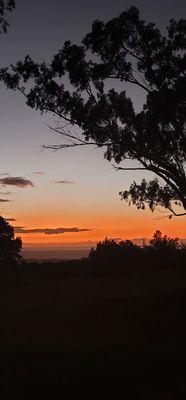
87,86
5,7
165,244
161,252
10,247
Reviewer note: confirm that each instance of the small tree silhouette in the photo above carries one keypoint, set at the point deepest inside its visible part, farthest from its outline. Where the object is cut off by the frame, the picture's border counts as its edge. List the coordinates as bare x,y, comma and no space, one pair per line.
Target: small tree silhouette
112,251
164,244
10,247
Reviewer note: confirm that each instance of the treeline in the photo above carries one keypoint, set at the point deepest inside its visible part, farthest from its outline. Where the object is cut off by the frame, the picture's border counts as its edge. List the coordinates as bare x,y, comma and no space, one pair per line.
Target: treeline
116,258
109,258
162,252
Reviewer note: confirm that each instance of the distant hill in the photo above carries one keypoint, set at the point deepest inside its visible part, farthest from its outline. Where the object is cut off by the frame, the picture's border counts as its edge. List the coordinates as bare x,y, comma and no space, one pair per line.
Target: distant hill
53,251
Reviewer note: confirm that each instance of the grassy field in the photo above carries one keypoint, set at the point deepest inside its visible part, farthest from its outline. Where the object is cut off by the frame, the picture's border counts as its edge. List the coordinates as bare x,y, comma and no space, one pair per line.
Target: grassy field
94,334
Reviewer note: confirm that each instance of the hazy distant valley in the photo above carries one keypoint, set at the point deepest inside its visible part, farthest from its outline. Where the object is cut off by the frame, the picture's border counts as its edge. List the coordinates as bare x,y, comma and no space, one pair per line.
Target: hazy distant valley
67,251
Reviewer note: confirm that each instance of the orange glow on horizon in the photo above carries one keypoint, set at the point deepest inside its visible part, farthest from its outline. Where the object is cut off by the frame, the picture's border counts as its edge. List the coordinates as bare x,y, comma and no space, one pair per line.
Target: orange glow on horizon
123,227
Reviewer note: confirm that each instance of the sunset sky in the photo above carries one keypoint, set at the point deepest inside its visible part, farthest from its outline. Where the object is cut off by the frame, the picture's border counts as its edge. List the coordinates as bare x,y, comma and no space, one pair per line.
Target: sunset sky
76,188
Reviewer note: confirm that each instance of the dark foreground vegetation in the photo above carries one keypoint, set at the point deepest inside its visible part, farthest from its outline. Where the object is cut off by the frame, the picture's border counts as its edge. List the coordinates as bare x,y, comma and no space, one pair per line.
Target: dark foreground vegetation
110,324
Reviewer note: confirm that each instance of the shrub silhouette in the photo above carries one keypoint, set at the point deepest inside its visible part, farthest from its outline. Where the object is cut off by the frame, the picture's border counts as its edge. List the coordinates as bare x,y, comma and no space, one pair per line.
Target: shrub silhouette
10,247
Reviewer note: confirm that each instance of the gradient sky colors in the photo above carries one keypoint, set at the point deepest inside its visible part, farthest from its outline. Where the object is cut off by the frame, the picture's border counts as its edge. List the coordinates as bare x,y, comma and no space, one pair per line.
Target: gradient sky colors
74,188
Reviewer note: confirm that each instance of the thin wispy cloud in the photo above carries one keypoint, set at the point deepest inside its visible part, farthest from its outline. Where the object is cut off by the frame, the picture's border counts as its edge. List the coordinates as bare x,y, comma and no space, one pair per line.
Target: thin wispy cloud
39,173
50,231
17,181
5,193
64,182
10,219
4,174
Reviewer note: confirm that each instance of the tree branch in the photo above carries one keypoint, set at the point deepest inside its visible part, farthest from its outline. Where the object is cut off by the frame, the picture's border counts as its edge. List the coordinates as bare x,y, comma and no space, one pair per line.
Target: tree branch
128,169
131,53
75,140
161,173
176,214
131,80
66,146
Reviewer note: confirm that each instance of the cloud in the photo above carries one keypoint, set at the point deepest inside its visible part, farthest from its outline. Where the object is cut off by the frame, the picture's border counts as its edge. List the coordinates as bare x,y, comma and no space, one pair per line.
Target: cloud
10,219
4,201
49,231
16,181
5,174
39,173
64,182
5,193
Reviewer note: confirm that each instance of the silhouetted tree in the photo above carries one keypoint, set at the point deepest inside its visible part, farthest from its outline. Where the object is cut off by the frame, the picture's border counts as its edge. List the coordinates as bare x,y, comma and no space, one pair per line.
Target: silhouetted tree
124,52
114,252
164,244
159,241
163,252
5,7
10,247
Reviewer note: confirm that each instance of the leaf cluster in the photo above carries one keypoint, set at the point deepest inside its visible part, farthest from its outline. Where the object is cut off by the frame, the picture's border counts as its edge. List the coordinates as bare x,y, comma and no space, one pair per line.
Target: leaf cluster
6,6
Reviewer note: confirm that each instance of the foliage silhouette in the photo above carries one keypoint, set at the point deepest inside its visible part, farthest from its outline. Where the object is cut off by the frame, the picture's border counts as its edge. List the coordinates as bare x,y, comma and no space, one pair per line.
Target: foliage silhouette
79,88
165,244
5,7
120,256
110,249
10,247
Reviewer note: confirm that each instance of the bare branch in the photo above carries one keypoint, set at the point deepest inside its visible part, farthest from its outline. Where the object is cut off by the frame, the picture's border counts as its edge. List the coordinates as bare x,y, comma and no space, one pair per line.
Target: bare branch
131,53
130,80
67,134
65,146
74,140
128,168
176,214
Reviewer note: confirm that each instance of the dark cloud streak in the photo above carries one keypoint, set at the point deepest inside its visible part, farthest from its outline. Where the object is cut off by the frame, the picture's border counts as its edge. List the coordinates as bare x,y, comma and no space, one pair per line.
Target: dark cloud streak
50,231
16,181
4,200
64,182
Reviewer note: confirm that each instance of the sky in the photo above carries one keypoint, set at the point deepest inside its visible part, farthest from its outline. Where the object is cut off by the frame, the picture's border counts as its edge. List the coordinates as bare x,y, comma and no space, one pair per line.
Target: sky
68,196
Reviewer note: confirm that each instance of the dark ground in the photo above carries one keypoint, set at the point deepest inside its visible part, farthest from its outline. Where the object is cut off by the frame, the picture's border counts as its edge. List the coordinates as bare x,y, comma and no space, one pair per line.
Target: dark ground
122,335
